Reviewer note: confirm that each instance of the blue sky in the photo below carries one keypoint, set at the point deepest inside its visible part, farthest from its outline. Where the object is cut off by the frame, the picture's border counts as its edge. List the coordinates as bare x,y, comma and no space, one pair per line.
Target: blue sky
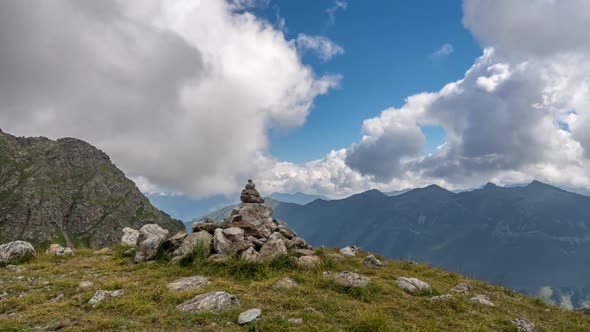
388,47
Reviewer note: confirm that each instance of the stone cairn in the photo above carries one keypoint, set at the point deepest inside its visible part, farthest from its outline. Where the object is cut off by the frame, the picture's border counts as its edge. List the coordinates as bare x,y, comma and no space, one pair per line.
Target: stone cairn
249,231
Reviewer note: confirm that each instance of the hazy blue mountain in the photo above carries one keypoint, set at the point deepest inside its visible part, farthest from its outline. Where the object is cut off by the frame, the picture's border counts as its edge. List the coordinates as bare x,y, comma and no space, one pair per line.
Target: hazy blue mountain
527,238
297,198
186,208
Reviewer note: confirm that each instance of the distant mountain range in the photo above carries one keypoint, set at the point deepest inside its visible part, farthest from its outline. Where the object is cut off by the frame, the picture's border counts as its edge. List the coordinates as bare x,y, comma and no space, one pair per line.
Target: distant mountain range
187,208
533,238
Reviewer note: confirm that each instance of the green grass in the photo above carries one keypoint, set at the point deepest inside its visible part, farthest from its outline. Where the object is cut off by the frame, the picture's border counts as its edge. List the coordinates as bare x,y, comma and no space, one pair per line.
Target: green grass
324,306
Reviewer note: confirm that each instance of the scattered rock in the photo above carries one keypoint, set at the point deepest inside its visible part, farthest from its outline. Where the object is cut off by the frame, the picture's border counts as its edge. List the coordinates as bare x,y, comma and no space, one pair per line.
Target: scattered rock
249,316
57,298
15,268
444,297
57,250
524,325
413,286
272,248
16,252
250,255
151,237
349,279
85,284
296,321
308,262
372,261
462,289
298,243
286,283
102,295
482,299
349,251
218,258
214,301
129,237
188,283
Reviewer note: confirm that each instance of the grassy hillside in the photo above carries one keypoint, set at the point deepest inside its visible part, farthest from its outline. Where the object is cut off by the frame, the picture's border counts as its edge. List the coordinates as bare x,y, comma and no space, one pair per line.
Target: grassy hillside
31,299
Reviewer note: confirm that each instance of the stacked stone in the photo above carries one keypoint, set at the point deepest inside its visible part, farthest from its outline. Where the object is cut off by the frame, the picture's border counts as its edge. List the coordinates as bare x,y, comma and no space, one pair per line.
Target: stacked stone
250,194
249,231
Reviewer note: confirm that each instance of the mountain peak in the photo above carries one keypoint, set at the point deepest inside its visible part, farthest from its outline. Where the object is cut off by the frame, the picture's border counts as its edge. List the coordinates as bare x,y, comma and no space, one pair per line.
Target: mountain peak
490,185
540,185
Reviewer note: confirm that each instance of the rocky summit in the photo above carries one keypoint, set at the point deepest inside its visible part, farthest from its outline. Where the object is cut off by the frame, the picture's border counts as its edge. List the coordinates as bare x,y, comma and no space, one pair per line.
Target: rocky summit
248,232
69,192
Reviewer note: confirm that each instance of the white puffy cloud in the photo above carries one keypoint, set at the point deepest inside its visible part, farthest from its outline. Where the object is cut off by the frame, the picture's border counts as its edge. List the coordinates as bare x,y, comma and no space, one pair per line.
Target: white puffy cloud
180,94
322,46
521,112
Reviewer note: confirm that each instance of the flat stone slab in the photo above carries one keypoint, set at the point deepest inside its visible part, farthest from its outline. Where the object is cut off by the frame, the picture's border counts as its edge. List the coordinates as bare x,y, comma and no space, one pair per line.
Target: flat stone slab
249,316
214,301
349,279
188,284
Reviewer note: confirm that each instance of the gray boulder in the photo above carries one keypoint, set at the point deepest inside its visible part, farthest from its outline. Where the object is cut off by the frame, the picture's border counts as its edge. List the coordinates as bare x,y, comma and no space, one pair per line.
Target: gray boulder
524,325
302,252
308,262
214,301
208,226
254,213
194,240
272,248
222,245
151,237
129,237
16,252
188,284
349,251
372,261
461,289
413,286
234,234
174,242
286,232
349,279
249,316
286,283
444,297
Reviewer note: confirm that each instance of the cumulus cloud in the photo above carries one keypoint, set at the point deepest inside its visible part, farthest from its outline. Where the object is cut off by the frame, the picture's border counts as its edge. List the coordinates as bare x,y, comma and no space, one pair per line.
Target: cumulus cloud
322,46
521,112
445,50
179,93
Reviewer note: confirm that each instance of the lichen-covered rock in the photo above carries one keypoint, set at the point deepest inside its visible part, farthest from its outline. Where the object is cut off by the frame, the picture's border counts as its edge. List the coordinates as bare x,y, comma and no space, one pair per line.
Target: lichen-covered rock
129,237
413,286
349,279
102,295
308,262
188,283
286,232
202,240
461,289
57,250
349,251
444,297
372,261
16,252
151,237
482,299
214,301
272,248
208,226
234,234
249,316
298,243
524,325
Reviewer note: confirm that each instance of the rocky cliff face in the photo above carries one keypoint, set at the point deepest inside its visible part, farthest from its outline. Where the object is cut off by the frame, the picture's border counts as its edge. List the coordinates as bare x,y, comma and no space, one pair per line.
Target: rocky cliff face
68,191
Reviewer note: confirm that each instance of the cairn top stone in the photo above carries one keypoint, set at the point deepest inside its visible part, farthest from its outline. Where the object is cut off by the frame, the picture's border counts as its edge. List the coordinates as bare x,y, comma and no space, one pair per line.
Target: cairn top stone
250,194
250,185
